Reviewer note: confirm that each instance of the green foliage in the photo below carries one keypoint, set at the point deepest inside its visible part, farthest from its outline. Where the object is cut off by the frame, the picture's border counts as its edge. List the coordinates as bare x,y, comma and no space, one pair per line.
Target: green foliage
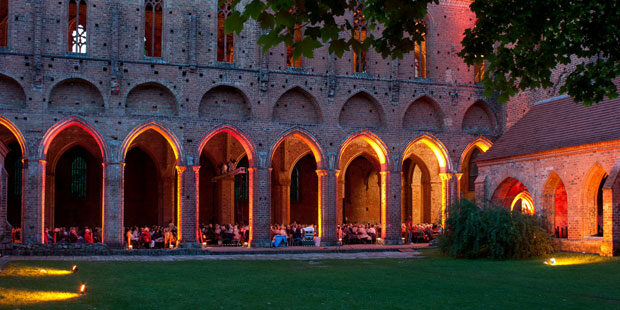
330,22
523,41
497,233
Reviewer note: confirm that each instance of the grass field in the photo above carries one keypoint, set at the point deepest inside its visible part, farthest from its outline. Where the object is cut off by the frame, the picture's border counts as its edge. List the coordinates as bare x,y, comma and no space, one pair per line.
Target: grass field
432,282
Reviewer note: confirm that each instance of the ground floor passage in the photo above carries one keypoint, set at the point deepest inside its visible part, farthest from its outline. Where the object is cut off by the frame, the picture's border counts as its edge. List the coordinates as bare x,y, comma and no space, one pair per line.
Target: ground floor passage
76,189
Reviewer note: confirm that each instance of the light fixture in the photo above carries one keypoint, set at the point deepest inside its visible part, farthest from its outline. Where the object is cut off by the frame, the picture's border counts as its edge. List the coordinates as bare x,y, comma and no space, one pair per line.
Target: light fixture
130,247
552,261
43,271
204,245
74,268
83,288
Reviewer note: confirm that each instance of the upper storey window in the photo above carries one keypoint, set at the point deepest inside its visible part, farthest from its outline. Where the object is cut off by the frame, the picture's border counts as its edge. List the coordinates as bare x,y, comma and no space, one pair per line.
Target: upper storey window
359,31
225,42
4,22
419,62
290,60
77,37
153,27
479,71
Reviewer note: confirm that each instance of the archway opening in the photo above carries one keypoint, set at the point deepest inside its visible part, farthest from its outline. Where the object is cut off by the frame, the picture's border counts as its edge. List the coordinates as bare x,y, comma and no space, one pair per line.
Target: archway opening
150,190
470,173
73,187
599,207
11,157
512,195
555,206
294,183
224,202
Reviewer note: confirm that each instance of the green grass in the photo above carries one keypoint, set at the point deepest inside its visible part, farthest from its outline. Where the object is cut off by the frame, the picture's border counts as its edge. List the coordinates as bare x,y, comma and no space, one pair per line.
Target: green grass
433,282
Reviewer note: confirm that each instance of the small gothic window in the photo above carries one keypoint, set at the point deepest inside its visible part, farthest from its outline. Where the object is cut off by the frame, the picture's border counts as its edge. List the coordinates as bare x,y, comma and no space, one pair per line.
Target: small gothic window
77,27
78,178
295,194
479,71
153,27
419,62
290,60
225,42
4,22
359,31
241,182
472,170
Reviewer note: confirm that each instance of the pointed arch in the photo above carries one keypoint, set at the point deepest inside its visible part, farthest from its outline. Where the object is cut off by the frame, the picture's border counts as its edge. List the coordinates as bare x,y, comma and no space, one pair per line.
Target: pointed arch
438,148
172,139
507,192
74,121
424,113
479,119
17,133
361,110
307,138
375,143
238,134
555,205
13,92
481,143
589,195
297,105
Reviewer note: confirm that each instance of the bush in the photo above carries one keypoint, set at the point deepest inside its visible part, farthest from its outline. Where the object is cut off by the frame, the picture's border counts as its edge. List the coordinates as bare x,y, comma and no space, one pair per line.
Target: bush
497,233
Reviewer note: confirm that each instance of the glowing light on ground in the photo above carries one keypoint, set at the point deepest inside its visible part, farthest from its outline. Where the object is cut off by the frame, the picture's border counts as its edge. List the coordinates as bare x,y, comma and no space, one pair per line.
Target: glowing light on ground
34,272
12,297
570,261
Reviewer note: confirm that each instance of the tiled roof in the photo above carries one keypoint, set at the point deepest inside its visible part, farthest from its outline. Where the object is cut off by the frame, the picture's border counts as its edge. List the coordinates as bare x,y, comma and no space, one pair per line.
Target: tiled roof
556,124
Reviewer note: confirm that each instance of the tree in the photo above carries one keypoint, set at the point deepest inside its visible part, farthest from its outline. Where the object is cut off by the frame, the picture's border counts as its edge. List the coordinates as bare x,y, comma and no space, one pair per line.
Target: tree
524,41
521,41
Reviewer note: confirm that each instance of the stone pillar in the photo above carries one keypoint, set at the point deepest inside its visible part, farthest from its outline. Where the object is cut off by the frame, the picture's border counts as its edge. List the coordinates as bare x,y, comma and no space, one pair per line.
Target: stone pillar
328,225
5,230
283,190
260,206
445,184
189,204
455,195
113,204
611,213
393,211
226,192
34,198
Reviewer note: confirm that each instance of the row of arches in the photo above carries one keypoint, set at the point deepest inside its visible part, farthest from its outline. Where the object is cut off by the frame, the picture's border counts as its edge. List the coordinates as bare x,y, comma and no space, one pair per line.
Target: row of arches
512,194
74,157
223,102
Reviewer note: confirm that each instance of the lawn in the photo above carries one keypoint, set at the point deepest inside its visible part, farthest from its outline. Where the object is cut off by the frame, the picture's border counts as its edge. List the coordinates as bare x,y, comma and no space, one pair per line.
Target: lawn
433,282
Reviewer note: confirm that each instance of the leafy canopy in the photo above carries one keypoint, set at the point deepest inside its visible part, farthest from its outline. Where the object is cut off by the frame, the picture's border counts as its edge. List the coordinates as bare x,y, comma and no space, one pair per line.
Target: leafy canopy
522,41
330,22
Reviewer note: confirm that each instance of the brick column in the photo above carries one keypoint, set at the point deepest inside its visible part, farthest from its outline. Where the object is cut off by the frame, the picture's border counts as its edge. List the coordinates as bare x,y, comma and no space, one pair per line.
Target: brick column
327,206
455,195
445,184
226,192
393,207
283,192
189,206
611,213
5,231
113,204
260,206
33,203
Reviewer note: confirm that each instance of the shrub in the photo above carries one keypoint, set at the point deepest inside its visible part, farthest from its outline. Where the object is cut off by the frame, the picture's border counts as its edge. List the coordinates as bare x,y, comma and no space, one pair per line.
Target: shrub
495,232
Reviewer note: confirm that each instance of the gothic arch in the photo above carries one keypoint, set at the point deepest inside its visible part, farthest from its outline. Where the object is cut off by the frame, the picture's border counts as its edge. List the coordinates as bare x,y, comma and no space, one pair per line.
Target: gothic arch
308,139
479,119
151,98
507,191
423,114
297,105
13,94
172,139
74,121
438,148
238,134
225,102
590,190
375,143
555,205
76,94
361,110
481,143
17,133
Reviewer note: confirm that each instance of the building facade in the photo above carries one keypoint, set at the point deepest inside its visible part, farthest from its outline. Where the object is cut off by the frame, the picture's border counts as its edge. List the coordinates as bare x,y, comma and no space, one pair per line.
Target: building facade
123,113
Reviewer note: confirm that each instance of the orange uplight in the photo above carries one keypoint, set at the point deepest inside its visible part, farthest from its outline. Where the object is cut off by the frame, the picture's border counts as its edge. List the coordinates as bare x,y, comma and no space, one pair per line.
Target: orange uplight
527,204
18,135
13,297
23,271
42,164
59,127
575,260
445,177
377,148
83,289
384,177
169,136
180,171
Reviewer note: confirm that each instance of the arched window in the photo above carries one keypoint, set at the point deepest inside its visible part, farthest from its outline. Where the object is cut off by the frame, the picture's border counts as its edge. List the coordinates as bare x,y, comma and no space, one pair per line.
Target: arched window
225,42
359,31
77,27
295,197
4,22
472,171
599,208
479,71
78,178
153,27
419,62
290,61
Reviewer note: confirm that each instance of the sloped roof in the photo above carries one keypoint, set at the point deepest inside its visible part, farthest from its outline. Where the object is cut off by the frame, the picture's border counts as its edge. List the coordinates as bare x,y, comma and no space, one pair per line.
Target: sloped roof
558,123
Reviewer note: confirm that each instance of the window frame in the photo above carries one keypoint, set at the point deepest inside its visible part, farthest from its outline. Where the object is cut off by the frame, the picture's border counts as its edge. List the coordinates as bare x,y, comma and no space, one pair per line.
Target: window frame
69,36
8,25
161,45
360,25
225,9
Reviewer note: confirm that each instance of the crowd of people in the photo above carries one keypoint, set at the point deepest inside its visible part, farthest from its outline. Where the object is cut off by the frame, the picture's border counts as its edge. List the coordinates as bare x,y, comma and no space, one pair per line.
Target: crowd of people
419,233
72,235
359,233
154,237
227,235
294,235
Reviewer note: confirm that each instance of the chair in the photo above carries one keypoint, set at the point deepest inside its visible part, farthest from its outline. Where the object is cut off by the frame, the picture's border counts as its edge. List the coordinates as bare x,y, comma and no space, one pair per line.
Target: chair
308,239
